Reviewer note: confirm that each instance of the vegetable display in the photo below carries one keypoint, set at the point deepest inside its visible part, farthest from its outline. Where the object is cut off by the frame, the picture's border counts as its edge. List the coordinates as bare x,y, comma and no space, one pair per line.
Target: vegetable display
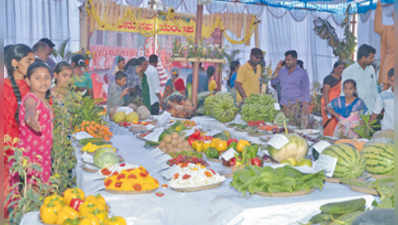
349,162
105,158
132,180
296,148
254,179
379,158
95,129
221,106
174,143
186,159
259,108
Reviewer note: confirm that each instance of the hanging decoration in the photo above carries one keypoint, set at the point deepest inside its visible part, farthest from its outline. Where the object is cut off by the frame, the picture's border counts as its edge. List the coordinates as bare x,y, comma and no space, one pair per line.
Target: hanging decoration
341,48
162,23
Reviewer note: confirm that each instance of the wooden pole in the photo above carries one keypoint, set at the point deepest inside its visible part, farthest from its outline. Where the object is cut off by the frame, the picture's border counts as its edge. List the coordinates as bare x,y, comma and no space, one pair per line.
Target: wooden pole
198,37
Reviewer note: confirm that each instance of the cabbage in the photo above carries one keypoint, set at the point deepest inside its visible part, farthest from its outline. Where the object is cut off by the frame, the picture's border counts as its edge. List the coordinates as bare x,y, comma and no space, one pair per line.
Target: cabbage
103,159
296,148
221,106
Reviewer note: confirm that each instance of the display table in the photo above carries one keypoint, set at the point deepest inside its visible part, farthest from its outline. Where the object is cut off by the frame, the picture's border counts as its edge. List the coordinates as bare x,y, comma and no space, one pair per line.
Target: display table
223,205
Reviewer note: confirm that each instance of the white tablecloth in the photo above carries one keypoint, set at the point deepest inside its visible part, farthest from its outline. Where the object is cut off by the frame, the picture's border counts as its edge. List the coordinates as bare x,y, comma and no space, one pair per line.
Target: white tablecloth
223,205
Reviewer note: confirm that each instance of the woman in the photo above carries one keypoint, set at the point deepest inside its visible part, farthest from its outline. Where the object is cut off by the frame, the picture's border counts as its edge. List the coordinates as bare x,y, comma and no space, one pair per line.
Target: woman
17,59
232,73
331,90
347,110
175,83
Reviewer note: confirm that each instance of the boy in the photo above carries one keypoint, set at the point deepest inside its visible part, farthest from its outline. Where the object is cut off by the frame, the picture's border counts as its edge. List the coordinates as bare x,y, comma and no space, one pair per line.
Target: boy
117,91
385,100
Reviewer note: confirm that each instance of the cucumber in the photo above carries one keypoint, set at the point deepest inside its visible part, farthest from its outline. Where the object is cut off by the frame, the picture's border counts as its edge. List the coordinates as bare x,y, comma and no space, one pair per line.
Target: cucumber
96,141
347,218
344,207
321,218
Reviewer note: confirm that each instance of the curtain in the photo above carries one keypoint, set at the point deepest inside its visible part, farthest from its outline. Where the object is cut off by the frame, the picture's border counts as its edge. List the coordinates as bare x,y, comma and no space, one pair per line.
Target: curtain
27,21
366,33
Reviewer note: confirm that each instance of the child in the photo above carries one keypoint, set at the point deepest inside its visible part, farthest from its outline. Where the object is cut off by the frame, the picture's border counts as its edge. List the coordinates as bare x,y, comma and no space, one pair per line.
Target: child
385,101
36,120
347,109
62,74
117,91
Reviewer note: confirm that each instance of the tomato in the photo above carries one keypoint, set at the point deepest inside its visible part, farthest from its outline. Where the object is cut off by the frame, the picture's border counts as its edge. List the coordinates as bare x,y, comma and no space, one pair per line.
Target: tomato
159,194
72,193
107,182
137,187
186,176
256,162
75,203
118,184
132,176
105,172
121,176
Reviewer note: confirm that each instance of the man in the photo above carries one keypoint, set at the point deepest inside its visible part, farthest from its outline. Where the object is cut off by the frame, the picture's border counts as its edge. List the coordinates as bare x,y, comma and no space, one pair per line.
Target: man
248,77
51,45
152,78
82,78
294,82
42,52
385,100
363,73
202,82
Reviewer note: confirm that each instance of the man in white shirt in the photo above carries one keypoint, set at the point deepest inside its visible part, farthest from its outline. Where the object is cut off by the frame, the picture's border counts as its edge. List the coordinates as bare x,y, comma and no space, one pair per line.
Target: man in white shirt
154,84
363,73
385,100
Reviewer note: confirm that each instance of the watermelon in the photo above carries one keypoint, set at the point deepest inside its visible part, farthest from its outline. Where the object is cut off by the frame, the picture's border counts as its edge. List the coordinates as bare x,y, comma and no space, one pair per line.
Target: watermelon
349,163
379,158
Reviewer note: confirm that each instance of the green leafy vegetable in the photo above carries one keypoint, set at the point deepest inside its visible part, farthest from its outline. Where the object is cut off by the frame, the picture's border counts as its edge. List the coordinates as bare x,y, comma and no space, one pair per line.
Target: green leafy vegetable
259,108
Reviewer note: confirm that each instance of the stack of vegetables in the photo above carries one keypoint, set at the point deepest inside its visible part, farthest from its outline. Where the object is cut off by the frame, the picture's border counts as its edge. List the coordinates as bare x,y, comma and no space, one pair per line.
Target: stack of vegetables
339,213
131,180
255,179
172,143
259,108
221,106
76,208
95,129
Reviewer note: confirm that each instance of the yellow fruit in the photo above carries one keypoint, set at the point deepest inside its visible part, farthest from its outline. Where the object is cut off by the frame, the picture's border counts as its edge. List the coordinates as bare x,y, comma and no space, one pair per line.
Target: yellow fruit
66,213
305,162
132,117
198,146
53,198
289,161
119,117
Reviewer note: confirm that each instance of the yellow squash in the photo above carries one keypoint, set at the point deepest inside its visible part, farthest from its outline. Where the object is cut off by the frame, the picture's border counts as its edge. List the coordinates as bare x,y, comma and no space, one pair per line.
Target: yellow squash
241,145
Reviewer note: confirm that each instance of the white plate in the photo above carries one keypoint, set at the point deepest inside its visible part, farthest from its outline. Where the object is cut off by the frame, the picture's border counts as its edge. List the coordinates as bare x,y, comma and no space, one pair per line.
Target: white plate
118,168
81,135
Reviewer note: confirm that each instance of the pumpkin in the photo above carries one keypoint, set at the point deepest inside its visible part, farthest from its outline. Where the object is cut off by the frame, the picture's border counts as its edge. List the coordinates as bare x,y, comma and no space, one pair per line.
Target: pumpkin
357,144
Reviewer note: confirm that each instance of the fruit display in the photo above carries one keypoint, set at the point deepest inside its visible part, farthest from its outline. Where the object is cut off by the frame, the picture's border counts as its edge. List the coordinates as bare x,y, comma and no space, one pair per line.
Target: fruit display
379,158
95,129
131,180
105,158
340,212
91,148
296,148
174,143
255,179
120,116
189,175
259,108
349,163
221,106
76,208
186,159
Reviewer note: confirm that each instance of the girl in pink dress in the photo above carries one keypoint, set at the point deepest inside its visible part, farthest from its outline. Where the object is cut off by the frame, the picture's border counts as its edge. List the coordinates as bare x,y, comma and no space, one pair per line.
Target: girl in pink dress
36,120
